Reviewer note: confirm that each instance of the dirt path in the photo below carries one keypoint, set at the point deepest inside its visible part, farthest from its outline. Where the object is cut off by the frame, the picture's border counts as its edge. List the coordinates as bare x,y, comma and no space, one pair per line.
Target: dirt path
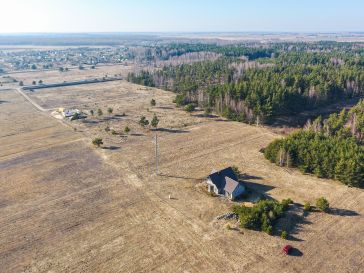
30,100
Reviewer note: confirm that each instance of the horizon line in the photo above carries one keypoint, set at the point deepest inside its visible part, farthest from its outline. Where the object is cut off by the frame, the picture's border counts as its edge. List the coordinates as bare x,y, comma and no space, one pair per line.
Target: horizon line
186,32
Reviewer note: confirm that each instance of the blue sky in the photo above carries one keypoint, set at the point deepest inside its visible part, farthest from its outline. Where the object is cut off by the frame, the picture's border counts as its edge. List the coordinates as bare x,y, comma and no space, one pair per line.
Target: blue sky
181,15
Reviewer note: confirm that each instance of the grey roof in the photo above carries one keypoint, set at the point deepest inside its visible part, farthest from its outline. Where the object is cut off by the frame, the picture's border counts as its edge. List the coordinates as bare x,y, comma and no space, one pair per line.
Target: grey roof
230,184
224,179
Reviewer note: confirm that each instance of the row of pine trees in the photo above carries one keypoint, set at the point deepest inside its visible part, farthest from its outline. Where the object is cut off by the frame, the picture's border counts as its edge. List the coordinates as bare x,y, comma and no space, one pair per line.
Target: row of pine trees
330,148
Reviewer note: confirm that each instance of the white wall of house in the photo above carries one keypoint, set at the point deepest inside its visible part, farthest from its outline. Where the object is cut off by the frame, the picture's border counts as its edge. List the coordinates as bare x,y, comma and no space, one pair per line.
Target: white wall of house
212,187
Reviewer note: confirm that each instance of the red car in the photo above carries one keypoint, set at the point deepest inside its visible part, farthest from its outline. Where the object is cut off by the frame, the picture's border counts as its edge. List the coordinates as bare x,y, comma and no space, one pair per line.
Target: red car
287,249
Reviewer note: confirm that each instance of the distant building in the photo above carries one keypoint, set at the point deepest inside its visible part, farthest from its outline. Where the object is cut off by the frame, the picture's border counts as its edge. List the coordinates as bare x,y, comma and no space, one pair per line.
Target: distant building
225,183
68,113
71,113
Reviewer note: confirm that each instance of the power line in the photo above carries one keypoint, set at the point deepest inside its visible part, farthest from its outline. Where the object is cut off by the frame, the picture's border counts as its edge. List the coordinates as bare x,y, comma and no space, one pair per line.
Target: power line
156,154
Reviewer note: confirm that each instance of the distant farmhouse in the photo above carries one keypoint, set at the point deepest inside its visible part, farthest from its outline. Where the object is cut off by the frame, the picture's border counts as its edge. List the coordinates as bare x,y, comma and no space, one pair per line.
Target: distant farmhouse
71,113
225,183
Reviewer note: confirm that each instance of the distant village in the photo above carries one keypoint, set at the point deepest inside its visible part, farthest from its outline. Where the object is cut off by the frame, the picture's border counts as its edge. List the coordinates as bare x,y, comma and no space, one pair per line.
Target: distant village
24,59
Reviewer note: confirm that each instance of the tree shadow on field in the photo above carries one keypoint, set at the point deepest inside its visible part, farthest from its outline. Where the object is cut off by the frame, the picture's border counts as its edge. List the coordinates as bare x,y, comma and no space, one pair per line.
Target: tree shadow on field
111,148
254,191
115,117
342,212
205,116
165,107
257,187
293,222
87,121
120,115
172,131
181,177
3,101
295,252
223,120
245,176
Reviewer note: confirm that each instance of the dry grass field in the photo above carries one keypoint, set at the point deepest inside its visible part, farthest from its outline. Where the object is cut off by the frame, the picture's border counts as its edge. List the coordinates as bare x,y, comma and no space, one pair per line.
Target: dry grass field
55,76
66,206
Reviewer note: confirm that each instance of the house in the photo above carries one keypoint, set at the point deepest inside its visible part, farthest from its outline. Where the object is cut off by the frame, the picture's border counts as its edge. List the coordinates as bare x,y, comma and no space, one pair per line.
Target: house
68,113
225,183
71,113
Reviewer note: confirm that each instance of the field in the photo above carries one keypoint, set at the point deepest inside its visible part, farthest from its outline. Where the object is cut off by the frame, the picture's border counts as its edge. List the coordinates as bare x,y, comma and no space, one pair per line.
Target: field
66,206
55,76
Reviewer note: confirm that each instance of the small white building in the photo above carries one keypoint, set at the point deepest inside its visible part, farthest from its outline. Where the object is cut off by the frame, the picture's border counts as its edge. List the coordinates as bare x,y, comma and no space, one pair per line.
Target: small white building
225,183
68,113
71,113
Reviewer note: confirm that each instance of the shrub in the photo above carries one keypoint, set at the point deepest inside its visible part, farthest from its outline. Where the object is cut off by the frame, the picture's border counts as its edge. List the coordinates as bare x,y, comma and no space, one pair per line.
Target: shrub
126,130
154,121
152,102
99,112
92,112
143,121
261,216
110,110
75,116
228,227
97,141
286,202
269,230
190,107
236,170
284,234
107,129
113,132
322,204
180,100
266,224
21,83
307,206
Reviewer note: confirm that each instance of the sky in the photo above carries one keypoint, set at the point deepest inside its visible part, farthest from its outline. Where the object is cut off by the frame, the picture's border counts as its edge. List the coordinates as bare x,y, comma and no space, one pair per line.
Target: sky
22,16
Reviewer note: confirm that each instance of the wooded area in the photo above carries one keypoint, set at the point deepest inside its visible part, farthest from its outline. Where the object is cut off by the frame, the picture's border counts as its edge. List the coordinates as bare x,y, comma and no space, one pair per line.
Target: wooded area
330,148
247,83
252,83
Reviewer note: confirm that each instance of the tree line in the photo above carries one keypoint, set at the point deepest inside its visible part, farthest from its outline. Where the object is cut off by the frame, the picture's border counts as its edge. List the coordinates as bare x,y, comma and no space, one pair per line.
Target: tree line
287,83
331,148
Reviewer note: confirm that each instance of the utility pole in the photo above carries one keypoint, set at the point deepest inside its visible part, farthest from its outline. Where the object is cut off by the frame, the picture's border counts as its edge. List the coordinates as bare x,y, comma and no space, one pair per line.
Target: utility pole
156,154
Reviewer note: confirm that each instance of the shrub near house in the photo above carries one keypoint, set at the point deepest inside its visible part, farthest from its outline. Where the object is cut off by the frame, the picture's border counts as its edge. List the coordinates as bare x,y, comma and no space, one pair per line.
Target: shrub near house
262,216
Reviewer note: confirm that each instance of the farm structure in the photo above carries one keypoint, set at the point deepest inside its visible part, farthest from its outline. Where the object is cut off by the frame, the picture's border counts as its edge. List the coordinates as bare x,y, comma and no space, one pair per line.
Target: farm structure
225,183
